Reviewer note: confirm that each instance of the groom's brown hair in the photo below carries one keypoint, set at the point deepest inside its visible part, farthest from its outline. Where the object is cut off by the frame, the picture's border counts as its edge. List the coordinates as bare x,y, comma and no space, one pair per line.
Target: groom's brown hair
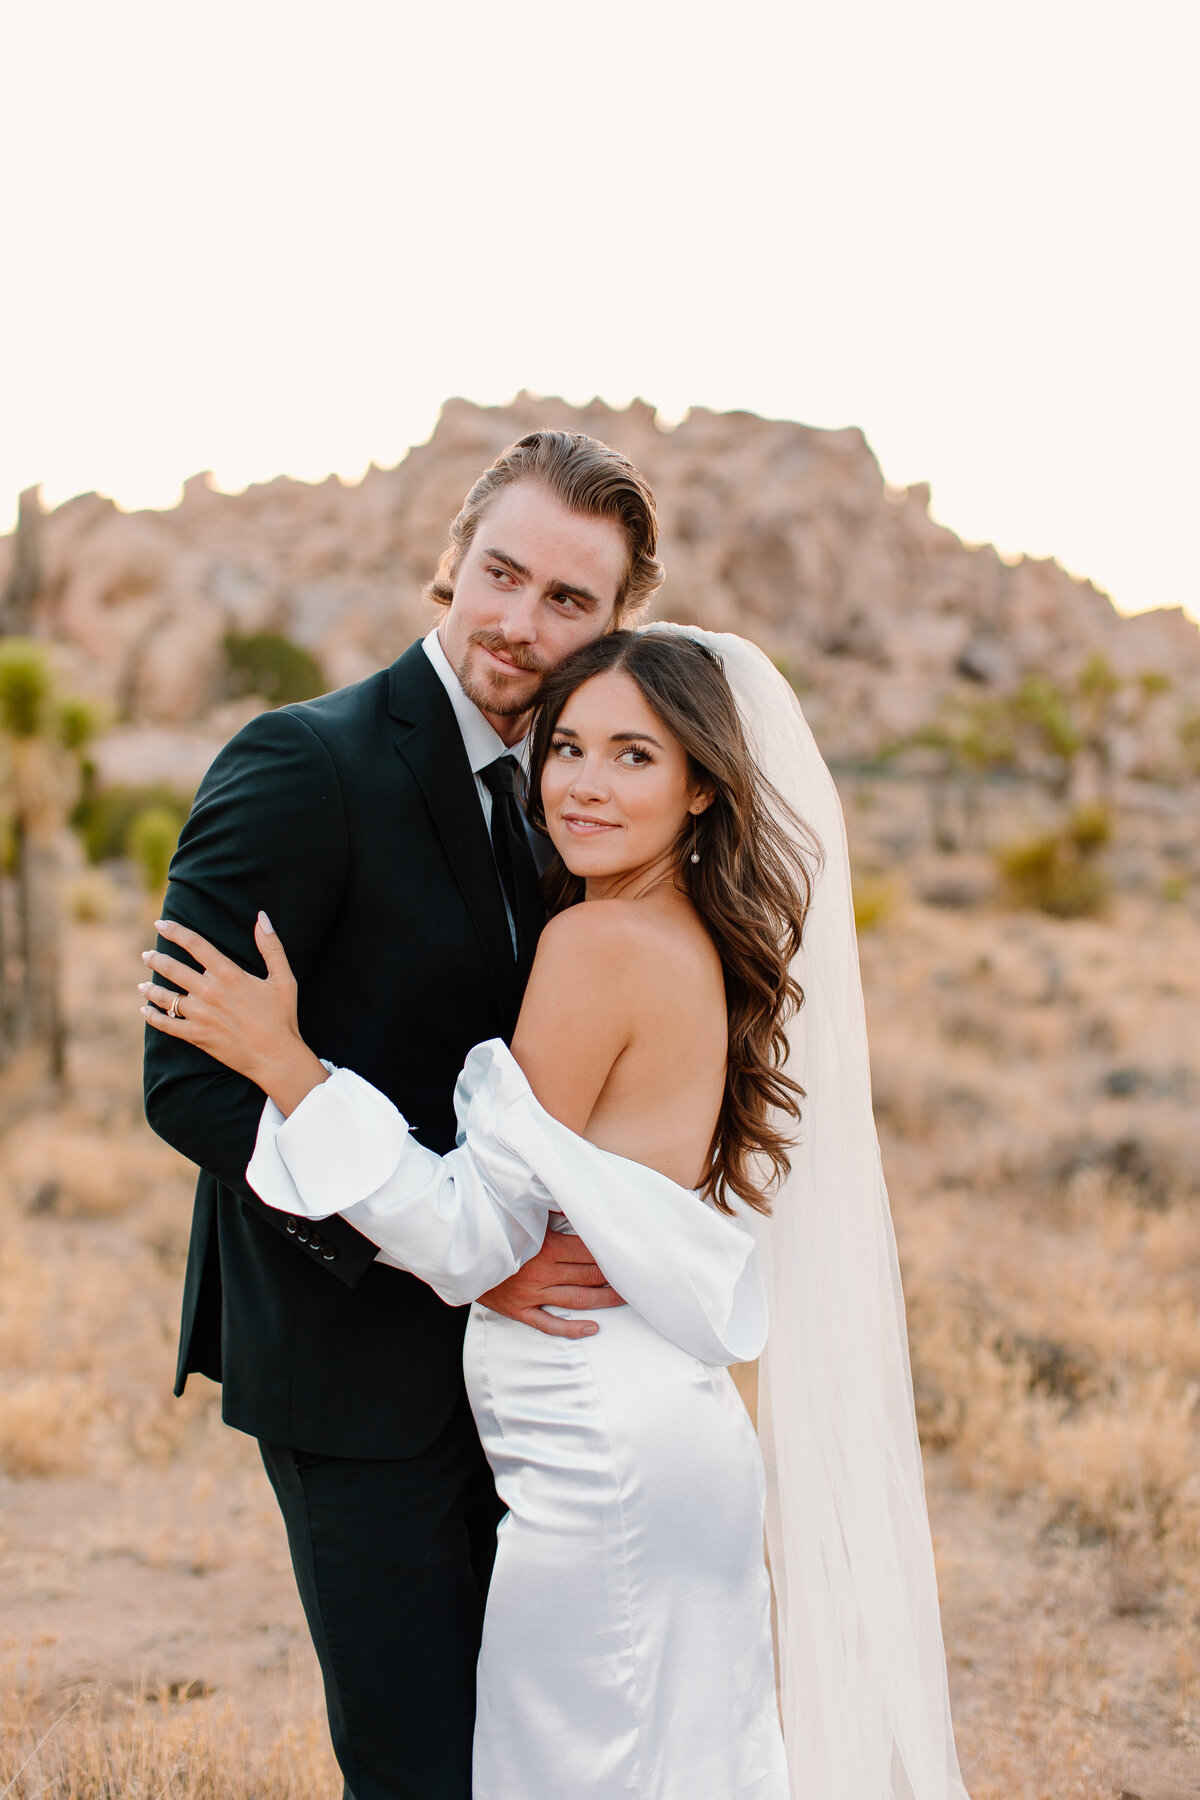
589,478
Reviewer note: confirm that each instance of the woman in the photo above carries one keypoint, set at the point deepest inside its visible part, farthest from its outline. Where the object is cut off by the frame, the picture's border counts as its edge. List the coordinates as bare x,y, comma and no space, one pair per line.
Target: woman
627,1645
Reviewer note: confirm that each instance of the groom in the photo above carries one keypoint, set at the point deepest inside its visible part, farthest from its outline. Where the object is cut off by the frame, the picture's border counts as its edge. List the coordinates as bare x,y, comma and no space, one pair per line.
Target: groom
378,827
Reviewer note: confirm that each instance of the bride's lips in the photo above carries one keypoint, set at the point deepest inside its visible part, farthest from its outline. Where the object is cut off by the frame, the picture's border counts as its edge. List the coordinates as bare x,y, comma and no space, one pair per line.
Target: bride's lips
582,827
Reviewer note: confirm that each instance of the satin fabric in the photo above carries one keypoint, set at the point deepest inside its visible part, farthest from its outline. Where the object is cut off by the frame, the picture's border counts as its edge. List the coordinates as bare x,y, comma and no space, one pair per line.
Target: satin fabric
627,1641
627,1638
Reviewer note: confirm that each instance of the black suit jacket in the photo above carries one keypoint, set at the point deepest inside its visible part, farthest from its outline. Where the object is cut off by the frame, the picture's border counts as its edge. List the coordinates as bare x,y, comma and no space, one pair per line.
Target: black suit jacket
354,821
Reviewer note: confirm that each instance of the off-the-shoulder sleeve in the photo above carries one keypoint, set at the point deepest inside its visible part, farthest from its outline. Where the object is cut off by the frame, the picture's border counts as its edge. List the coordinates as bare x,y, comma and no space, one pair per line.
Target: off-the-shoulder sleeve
462,1222
691,1271
465,1221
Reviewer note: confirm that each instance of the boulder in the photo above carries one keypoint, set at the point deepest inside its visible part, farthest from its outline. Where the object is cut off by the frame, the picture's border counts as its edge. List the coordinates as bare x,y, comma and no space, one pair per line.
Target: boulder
775,529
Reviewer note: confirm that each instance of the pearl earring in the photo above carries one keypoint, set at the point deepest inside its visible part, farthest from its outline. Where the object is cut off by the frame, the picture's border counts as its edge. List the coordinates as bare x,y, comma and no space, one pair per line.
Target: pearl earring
695,856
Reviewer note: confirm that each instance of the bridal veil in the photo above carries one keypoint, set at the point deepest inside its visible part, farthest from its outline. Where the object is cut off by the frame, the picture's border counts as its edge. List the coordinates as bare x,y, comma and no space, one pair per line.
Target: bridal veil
865,1705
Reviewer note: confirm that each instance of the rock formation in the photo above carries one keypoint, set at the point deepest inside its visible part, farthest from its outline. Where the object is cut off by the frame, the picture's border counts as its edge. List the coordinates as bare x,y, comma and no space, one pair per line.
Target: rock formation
785,533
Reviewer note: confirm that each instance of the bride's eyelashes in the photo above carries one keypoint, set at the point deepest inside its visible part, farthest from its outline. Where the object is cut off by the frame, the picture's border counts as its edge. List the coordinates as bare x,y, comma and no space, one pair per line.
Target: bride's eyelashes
639,753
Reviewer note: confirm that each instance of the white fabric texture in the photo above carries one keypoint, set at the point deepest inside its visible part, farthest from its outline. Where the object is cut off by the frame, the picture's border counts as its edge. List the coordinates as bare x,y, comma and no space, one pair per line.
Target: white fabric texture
466,1221
627,1640
462,1222
627,1637
866,1710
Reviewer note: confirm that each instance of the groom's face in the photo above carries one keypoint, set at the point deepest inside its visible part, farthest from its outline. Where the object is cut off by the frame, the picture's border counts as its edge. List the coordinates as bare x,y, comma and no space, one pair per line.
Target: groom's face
535,583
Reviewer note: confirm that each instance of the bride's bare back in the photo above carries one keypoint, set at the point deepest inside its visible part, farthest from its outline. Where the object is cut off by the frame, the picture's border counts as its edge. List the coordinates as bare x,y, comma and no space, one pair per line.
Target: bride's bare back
623,1034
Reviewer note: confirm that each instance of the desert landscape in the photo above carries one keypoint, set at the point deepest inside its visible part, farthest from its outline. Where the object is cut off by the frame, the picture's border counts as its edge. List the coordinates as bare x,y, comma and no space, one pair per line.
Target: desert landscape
1020,771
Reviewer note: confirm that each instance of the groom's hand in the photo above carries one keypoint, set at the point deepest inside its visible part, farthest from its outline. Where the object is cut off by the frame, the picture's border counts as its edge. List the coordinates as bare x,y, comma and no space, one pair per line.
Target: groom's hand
561,1274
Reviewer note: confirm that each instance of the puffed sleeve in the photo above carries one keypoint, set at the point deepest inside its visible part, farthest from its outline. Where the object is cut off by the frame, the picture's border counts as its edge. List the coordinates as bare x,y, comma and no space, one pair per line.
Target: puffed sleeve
462,1222
465,1221
691,1271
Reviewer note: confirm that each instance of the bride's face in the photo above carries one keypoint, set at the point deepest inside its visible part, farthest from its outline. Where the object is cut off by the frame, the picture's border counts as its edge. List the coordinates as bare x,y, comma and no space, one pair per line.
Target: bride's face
617,789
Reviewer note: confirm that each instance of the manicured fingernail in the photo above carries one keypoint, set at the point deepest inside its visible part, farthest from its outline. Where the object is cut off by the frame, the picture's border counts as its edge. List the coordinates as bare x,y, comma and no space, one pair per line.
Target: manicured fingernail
143,987
159,923
145,1011
591,1331
266,923
146,955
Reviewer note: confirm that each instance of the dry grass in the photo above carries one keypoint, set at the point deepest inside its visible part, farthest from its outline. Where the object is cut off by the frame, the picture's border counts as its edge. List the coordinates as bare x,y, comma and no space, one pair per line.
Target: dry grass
1051,1232
87,1262
146,1745
1037,1084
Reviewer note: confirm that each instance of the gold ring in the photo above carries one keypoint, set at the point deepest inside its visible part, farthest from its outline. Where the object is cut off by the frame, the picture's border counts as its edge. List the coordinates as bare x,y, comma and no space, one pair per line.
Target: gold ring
173,1009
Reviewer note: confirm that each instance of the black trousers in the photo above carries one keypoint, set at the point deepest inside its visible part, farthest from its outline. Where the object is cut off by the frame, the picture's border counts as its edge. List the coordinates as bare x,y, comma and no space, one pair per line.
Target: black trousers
393,1560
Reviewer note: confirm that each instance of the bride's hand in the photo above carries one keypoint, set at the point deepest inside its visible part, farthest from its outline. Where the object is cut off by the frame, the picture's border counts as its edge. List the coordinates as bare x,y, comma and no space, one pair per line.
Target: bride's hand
246,1023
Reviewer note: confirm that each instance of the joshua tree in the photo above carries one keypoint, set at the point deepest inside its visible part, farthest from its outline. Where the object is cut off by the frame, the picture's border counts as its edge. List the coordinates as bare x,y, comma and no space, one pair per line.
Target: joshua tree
40,741
25,581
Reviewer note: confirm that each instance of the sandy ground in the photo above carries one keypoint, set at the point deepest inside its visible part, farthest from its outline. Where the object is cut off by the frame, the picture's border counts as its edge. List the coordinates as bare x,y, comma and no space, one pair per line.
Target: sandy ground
140,1551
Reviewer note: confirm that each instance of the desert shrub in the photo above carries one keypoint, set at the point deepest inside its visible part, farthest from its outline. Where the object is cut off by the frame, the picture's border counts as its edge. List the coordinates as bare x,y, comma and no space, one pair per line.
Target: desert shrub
75,723
1044,710
1090,828
24,687
150,843
46,1422
1060,873
975,736
91,899
270,665
875,900
104,816
1189,739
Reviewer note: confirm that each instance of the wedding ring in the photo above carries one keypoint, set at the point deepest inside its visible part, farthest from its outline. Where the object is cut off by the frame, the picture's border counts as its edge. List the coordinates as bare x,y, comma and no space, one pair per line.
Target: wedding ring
173,1009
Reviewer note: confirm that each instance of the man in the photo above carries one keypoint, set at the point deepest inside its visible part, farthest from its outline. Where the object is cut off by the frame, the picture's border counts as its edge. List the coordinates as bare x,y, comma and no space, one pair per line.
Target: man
378,828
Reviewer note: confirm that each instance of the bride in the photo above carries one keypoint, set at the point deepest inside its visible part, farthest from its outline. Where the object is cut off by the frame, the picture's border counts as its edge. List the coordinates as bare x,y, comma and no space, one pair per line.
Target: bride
688,1090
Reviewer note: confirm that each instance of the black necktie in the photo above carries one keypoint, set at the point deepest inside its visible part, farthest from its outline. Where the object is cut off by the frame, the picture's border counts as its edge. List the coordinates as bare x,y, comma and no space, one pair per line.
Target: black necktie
514,858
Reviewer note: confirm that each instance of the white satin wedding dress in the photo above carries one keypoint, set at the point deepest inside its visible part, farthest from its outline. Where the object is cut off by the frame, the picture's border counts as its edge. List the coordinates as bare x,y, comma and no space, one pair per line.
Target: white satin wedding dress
627,1647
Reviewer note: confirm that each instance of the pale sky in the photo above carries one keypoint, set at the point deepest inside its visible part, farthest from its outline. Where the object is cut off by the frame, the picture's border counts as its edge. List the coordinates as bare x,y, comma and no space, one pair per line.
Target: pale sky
260,237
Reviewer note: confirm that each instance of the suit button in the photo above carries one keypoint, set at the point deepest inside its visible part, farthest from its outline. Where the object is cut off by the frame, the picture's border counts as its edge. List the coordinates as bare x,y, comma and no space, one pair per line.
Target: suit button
291,1225
315,1241
302,1233
329,1253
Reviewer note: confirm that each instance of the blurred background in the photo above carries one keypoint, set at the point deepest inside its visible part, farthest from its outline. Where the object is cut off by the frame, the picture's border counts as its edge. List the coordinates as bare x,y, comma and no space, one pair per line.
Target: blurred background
895,307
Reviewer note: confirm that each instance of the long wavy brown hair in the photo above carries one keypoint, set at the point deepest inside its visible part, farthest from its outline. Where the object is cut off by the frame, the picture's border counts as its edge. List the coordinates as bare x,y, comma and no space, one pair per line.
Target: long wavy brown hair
752,887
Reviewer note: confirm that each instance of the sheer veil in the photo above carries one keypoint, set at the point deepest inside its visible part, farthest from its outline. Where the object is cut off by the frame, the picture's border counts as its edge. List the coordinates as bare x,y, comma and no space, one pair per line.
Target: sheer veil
866,1711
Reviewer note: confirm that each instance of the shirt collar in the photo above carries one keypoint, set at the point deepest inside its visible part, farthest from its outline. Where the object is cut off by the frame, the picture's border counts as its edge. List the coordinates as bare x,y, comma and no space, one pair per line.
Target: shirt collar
482,741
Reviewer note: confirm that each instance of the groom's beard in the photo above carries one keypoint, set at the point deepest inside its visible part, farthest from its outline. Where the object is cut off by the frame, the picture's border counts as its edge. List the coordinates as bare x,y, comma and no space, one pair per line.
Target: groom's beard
505,696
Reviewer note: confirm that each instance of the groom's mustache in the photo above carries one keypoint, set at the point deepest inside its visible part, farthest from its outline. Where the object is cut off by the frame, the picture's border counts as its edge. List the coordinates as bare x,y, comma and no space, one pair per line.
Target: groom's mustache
519,655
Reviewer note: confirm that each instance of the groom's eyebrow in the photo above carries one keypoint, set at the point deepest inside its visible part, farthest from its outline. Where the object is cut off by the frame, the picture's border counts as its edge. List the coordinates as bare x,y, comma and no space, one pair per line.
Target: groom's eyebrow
559,587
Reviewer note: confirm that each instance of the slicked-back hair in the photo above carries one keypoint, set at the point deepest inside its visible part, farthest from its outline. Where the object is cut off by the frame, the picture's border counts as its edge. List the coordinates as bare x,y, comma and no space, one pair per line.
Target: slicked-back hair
589,478
751,885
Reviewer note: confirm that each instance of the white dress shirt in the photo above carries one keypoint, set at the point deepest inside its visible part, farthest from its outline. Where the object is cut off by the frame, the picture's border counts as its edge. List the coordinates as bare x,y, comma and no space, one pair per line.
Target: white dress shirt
482,741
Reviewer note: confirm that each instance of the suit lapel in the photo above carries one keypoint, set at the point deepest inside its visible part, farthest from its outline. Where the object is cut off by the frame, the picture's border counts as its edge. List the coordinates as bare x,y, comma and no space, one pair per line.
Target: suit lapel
429,741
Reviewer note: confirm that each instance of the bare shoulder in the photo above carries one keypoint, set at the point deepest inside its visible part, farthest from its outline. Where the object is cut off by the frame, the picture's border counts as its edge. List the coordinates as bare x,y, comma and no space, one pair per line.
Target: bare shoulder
609,944
611,936
581,1007
611,977
600,925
